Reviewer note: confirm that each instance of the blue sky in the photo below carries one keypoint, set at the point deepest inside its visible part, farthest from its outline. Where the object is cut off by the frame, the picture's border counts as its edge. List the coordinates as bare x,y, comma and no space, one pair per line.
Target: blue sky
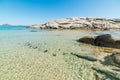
27,12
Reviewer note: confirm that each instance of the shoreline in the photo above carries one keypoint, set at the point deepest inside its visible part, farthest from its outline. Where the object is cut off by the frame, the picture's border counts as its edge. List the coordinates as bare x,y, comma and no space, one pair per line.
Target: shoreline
80,23
51,55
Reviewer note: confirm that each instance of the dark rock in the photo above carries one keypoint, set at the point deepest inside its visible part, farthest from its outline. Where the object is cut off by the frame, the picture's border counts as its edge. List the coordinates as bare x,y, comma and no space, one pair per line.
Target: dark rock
116,58
104,40
72,53
89,58
107,73
117,44
98,77
116,70
45,51
87,39
54,54
113,59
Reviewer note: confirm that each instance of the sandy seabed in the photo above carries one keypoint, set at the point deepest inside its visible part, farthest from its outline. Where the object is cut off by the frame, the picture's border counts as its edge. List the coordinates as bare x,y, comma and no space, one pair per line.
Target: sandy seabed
49,55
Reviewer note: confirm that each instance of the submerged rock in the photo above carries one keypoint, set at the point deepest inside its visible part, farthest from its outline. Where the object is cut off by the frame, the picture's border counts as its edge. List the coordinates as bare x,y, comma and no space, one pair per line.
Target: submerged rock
86,57
54,54
112,75
105,40
116,58
45,51
33,31
113,59
87,39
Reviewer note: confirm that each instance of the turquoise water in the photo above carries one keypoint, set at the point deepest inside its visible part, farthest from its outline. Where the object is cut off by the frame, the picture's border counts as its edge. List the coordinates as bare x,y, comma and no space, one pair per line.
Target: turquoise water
12,27
17,28
13,35
115,33
31,54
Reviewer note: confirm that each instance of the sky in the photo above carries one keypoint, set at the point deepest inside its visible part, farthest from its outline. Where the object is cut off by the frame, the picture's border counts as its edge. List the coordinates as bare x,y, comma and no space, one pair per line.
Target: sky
28,12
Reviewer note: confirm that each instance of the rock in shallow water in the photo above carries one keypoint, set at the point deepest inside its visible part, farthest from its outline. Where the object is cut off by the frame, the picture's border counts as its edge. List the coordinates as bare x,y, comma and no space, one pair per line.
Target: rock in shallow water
113,59
105,40
45,51
116,58
33,31
87,39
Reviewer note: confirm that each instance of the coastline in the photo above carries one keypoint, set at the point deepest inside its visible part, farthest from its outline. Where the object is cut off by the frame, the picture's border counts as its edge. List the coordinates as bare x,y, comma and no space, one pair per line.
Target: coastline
80,23
53,54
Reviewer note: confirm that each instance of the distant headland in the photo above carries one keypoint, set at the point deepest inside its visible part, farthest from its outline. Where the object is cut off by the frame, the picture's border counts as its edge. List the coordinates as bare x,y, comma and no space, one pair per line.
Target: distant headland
11,25
5,25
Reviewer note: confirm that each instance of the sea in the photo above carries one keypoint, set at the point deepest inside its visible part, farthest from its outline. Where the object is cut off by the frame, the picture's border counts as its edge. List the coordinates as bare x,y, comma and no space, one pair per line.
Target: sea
32,54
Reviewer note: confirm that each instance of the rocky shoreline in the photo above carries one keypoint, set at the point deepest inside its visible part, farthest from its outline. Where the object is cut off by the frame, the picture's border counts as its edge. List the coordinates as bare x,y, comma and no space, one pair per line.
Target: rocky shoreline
105,54
80,23
104,40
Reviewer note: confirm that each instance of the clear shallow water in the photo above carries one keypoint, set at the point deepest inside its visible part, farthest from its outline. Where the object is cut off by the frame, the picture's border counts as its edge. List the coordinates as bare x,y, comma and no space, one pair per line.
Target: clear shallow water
30,54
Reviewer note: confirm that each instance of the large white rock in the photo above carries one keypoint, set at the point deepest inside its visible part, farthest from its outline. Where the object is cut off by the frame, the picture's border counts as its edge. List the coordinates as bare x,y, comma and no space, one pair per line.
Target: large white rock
75,23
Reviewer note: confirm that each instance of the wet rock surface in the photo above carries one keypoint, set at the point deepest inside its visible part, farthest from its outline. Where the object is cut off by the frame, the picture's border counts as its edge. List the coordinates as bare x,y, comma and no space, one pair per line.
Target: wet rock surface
112,60
116,58
87,39
104,40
